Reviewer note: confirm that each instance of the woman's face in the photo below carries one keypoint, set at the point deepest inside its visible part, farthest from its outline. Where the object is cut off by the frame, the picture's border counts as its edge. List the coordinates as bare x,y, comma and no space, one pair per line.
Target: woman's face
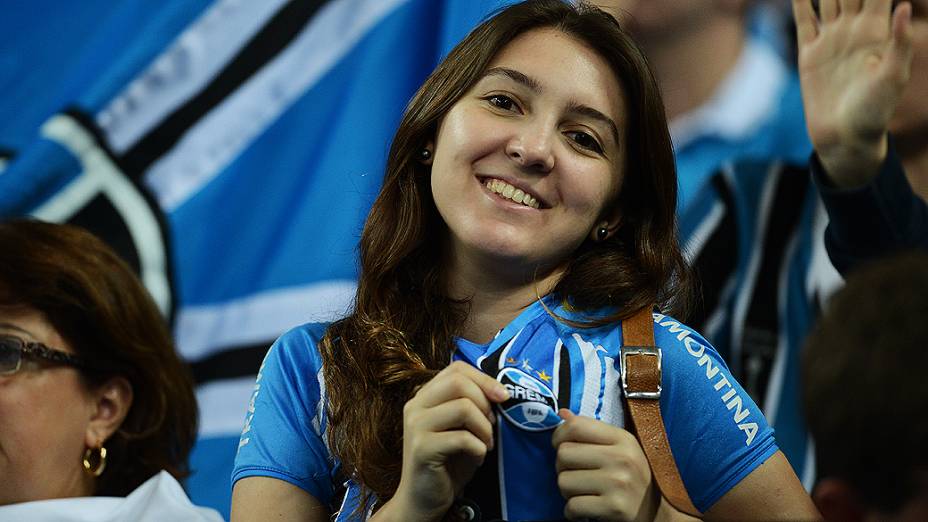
45,411
544,125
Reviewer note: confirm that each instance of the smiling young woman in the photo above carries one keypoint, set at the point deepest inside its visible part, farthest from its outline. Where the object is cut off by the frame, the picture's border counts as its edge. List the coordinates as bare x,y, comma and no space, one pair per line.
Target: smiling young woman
543,122
527,210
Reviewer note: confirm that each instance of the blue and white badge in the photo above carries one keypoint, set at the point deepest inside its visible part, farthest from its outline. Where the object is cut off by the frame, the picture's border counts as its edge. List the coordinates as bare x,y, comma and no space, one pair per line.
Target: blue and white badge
531,405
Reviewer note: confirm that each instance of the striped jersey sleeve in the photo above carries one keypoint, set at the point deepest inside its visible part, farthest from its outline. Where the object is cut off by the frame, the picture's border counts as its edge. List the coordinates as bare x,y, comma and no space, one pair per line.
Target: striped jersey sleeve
284,432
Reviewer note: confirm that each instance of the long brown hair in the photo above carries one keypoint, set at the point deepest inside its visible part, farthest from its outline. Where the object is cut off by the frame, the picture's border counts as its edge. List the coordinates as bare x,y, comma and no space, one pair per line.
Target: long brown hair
97,304
402,329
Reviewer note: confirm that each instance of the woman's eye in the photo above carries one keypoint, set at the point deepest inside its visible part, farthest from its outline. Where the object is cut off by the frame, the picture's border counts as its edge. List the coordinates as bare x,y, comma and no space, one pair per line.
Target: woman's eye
502,102
585,140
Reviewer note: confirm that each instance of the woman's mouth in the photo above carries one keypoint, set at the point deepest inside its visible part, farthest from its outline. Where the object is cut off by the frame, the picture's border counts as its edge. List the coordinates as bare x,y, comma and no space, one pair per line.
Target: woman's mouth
507,191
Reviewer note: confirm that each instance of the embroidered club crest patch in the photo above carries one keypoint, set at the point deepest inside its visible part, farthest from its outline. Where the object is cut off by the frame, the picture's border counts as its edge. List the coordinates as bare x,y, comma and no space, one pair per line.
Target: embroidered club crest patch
531,405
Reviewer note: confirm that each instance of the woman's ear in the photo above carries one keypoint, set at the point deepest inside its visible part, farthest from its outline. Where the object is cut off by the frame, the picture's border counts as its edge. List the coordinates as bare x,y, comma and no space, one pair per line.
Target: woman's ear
112,401
605,228
426,153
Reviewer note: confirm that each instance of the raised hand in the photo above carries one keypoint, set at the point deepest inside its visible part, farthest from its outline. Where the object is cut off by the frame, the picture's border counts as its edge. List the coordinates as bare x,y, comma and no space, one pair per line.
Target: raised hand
602,471
854,62
447,432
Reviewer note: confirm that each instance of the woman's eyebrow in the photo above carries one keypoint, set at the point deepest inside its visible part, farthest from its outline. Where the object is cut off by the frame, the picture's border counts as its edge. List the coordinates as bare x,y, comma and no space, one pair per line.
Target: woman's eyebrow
514,75
590,112
534,86
11,326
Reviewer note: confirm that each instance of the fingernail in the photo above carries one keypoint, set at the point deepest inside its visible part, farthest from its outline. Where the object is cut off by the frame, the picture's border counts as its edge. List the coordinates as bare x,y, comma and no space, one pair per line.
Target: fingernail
502,393
564,413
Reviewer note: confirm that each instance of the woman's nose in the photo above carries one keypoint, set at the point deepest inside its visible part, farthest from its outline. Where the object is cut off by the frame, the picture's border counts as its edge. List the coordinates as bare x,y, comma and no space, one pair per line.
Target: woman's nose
532,148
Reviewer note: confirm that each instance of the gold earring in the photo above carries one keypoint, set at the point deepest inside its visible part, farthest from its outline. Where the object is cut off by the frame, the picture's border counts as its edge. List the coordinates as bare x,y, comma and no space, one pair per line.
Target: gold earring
94,461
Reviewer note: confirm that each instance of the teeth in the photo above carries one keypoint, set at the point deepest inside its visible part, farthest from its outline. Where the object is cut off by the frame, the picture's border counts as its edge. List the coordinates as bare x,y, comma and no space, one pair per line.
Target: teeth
509,192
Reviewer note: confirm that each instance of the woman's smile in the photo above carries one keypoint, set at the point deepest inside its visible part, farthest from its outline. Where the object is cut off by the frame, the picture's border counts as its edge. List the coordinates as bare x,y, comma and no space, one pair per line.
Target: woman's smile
511,192
529,161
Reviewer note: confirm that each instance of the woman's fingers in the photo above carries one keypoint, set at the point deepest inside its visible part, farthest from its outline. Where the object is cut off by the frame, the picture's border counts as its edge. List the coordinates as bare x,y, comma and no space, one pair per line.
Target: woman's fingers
462,380
448,444
447,432
806,21
579,482
602,470
618,482
828,10
576,456
578,428
577,508
493,389
456,414
849,7
877,7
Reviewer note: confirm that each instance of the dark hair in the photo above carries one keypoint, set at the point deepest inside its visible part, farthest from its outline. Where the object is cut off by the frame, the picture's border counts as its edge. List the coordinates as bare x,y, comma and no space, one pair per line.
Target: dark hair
863,382
403,325
97,304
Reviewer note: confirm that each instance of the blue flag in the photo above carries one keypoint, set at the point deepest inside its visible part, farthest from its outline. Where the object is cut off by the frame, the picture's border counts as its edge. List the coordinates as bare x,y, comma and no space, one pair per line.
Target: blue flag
229,150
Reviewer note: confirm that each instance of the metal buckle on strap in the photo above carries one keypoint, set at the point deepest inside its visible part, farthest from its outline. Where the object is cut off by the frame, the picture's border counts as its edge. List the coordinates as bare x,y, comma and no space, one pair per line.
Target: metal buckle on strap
653,351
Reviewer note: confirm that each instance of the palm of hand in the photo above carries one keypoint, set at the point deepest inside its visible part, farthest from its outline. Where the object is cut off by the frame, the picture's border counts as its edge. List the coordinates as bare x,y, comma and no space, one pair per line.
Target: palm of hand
851,79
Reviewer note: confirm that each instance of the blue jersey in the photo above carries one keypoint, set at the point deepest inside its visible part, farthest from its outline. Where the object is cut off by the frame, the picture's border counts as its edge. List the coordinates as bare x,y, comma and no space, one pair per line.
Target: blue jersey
755,238
716,433
762,241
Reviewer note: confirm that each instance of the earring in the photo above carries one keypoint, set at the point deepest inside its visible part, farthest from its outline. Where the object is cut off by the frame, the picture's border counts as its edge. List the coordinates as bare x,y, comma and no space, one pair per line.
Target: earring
425,154
601,233
94,461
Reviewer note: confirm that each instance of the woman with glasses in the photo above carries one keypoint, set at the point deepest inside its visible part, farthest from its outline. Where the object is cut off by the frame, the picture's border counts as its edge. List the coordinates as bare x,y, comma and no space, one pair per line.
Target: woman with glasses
94,401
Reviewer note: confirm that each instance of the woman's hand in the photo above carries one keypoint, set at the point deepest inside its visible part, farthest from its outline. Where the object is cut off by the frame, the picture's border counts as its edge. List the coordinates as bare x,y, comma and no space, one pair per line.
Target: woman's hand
602,471
447,432
854,62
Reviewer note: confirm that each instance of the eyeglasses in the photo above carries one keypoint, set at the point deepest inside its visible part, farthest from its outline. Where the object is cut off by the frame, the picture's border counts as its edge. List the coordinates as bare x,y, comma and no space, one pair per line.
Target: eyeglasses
13,349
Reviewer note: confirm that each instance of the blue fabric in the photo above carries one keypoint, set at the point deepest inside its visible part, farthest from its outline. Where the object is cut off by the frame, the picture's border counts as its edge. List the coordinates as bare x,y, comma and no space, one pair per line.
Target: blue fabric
211,459
770,298
282,214
717,434
782,134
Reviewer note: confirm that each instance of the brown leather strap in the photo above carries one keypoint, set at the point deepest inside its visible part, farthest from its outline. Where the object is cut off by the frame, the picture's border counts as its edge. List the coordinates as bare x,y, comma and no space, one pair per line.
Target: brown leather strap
641,383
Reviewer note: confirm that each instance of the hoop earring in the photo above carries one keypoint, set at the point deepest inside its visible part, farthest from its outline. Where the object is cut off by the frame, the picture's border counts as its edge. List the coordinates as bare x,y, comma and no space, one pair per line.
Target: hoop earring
94,464
601,233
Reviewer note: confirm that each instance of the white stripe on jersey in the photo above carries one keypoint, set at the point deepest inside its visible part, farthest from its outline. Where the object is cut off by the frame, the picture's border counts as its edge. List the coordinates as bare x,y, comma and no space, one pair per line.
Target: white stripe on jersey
592,376
556,371
317,421
612,409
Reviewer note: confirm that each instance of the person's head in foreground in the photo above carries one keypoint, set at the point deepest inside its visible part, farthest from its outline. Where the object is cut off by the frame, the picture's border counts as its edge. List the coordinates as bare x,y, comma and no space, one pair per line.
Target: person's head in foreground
93,398
865,395
535,157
